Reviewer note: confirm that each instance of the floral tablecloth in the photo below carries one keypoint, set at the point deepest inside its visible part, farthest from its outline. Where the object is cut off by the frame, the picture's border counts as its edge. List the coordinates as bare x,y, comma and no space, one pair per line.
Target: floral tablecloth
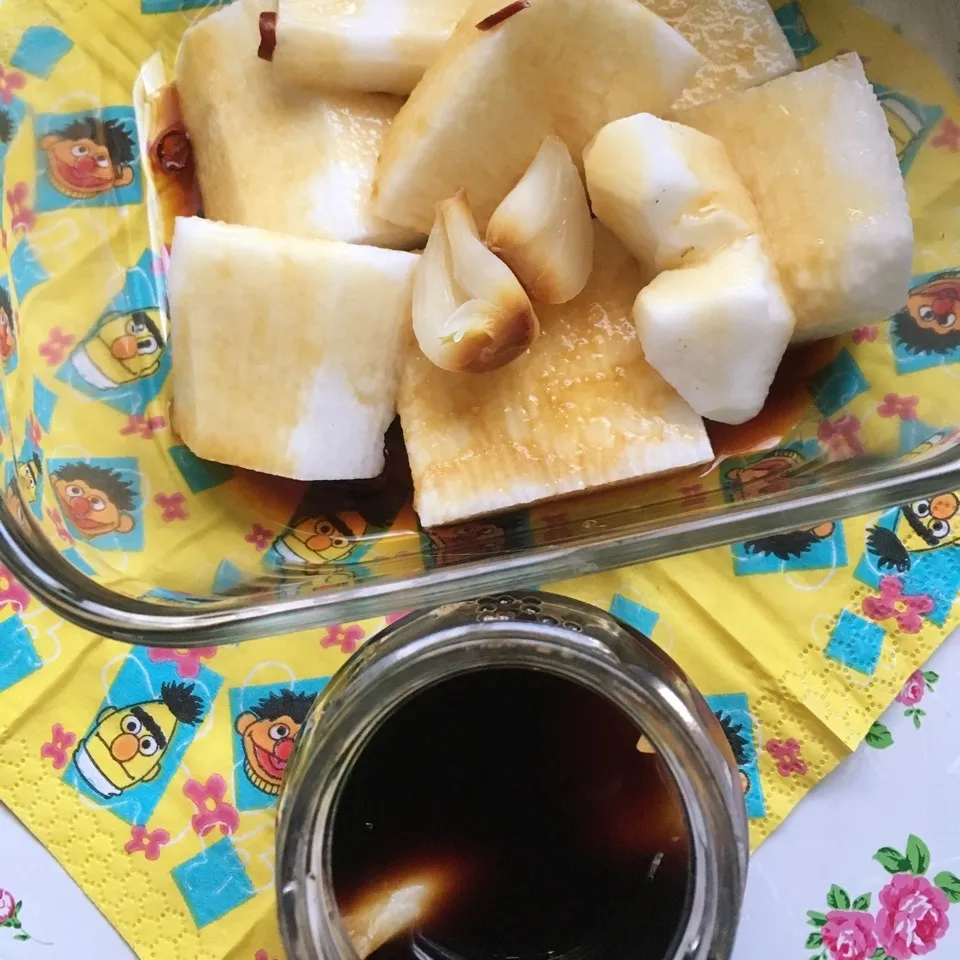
865,867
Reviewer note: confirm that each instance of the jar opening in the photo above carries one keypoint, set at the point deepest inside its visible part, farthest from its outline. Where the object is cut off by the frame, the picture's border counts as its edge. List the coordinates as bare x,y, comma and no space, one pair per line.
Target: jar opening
509,812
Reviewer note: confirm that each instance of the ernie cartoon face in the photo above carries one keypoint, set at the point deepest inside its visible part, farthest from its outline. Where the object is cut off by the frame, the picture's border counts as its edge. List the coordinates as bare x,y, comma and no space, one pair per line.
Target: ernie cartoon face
8,333
268,732
96,500
88,157
123,348
128,743
928,323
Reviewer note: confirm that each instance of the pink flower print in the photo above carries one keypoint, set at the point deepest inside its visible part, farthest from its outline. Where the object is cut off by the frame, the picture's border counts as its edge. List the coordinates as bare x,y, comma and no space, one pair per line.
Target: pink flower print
36,432
12,591
172,506
10,82
912,917
948,136
187,661
60,742
907,609
260,537
344,637
146,841
913,690
56,345
864,335
8,905
22,219
261,955
896,406
57,520
841,436
145,426
212,810
394,617
849,935
787,755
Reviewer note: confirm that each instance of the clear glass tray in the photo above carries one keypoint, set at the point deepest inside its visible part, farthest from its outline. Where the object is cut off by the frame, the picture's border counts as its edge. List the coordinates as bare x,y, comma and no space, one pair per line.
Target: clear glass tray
208,554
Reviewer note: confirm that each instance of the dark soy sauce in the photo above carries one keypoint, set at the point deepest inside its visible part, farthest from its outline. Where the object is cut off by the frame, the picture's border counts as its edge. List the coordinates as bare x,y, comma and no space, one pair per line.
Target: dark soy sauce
524,798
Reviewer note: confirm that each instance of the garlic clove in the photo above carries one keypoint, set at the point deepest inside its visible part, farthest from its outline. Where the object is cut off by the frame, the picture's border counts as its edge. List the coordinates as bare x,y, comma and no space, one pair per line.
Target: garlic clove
470,313
542,228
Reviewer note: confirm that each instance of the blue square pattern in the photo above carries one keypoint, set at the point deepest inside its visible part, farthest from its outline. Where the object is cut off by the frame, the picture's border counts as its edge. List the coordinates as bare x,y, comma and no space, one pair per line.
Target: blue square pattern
18,656
138,682
243,699
737,708
913,433
795,29
44,400
72,556
40,50
122,470
837,384
856,643
199,474
213,882
228,575
171,6
49,197
826,554
638,616
936,573
26,269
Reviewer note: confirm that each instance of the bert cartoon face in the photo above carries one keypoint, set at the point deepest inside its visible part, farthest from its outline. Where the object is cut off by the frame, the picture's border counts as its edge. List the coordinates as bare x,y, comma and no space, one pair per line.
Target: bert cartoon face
8,333
128,744
123,348
928,323
87,158
321,539
930,523
29,472
96,500
268,731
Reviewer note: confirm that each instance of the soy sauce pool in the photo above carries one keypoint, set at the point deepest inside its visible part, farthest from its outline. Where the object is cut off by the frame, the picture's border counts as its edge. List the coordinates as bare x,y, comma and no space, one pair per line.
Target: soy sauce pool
522,802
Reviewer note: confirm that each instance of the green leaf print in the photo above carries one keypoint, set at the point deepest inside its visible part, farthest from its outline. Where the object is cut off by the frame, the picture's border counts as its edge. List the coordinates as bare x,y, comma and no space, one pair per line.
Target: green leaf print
879,737
930,677
918,855
892,860
814,940
949,883
816,919
862,902
838,898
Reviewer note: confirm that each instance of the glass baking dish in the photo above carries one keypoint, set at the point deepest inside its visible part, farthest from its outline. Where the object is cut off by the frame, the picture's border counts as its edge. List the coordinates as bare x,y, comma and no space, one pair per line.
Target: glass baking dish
198,553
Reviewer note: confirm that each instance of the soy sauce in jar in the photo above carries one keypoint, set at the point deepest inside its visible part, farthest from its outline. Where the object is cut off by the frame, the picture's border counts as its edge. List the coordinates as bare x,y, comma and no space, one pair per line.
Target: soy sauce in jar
517,806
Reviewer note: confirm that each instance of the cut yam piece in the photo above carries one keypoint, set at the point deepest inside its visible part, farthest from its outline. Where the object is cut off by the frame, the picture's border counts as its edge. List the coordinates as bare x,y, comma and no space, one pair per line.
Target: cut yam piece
580,409
287,349
371,45
716,331
667,191
814,151
267,156
741,40
482,110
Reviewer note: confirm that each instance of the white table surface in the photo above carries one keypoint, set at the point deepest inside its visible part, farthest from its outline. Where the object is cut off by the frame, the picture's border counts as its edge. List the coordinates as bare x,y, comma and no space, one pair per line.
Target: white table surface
877,798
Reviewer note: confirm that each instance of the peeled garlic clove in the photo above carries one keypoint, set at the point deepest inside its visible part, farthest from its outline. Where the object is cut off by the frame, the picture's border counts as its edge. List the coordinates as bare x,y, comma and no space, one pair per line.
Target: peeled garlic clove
542,228
470,314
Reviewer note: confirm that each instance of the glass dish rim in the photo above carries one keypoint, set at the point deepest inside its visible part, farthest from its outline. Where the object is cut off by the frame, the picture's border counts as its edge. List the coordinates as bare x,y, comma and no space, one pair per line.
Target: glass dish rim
883,483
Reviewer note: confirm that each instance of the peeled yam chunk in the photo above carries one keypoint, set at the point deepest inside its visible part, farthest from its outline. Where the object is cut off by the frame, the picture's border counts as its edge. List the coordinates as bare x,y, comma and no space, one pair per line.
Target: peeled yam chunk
814,151
292,161
510,76
286,348
372,45
580,409
741,40
716,330
667,191
470,314
542,228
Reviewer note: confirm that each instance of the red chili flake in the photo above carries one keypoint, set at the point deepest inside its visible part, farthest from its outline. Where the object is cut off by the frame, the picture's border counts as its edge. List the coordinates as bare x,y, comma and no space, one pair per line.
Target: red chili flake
268,35
173,151
504,13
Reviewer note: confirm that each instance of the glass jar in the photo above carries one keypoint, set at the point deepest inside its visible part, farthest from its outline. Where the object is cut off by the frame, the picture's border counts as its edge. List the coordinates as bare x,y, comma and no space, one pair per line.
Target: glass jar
537,631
